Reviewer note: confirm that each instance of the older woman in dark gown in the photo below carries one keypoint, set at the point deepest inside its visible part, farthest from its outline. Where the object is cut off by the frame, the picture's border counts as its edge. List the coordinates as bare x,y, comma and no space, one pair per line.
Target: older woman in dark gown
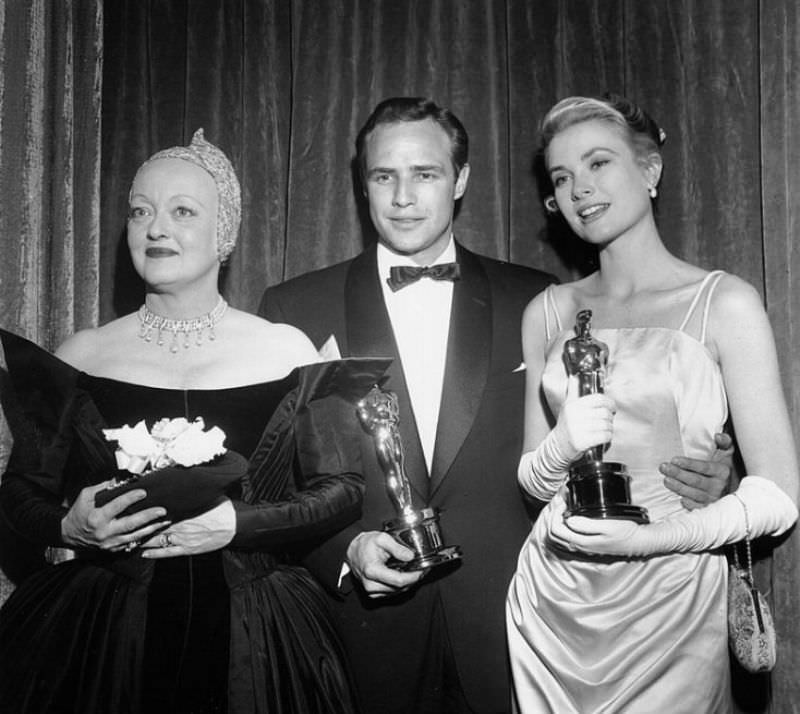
195,602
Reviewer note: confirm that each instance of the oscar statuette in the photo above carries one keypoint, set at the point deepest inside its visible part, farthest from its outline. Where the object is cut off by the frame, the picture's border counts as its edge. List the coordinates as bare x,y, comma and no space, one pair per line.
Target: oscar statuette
418,529
596,488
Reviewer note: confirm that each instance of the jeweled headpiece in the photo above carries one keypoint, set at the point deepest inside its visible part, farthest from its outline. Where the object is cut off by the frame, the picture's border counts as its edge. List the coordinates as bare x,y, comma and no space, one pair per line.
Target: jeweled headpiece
229,211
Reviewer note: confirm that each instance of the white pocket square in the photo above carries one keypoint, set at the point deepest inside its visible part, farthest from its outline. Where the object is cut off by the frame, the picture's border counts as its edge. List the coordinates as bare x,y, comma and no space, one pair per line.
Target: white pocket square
330,350
521,368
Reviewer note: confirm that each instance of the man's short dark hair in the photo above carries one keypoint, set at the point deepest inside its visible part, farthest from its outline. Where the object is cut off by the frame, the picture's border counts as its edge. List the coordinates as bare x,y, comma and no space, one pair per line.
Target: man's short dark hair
397,109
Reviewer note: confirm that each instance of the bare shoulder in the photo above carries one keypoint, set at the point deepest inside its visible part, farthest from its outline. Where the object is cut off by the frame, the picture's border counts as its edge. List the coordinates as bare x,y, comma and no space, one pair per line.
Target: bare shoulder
564,300
293,342
76,348
84,349
735,298
738,325
534,311
534,327
285,342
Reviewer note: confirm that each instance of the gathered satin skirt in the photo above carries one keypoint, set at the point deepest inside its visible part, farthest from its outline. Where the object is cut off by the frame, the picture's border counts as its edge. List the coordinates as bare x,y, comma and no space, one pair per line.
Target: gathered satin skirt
640,636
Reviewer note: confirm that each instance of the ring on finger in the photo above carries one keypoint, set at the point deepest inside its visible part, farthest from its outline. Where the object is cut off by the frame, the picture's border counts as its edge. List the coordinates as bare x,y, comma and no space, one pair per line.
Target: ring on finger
165,541
131,546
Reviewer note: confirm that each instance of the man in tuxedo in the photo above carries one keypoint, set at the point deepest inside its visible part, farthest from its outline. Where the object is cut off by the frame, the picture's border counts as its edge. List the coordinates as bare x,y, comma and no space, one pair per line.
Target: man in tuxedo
429,642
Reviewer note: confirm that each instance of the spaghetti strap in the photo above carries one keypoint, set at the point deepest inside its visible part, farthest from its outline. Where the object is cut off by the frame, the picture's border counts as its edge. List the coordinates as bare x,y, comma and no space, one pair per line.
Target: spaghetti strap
550,307
711,279
717,276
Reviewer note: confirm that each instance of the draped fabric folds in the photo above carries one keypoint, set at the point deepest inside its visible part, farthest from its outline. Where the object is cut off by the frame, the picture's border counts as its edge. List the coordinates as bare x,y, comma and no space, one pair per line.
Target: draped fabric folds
283,86
51,78
50,85
779,136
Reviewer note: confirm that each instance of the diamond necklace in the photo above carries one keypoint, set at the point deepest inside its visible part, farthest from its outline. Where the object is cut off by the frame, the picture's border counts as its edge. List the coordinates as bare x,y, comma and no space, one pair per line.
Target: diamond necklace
150,323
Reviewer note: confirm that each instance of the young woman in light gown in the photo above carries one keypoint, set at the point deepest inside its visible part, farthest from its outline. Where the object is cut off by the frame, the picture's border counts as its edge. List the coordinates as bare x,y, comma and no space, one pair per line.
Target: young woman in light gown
613,615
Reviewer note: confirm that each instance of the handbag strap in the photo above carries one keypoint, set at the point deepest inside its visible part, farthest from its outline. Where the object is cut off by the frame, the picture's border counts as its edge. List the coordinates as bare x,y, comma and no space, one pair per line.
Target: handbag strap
749,553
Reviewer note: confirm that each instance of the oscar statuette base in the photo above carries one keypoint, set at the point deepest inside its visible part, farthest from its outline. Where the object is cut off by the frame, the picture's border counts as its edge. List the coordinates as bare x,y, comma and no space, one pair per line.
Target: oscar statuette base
601,489
419,530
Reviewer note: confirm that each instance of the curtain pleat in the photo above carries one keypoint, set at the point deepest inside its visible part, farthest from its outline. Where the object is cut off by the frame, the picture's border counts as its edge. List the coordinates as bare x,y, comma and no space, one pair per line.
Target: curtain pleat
50,166
779,69
50,86
221,65
359,53
555,49
700,77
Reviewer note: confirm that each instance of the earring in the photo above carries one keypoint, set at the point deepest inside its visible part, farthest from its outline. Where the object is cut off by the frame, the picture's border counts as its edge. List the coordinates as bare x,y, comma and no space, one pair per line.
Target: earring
653,191
550,204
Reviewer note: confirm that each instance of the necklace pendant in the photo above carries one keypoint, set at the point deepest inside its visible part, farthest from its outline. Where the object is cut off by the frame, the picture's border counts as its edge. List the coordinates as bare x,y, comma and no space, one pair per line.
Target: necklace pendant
181,330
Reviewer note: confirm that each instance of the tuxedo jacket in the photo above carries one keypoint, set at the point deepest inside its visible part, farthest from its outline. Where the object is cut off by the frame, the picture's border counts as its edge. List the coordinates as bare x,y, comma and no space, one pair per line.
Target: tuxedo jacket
390,641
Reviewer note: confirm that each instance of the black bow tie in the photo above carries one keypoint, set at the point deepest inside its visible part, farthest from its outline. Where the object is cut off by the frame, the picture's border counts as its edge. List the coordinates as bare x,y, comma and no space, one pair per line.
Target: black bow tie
402,275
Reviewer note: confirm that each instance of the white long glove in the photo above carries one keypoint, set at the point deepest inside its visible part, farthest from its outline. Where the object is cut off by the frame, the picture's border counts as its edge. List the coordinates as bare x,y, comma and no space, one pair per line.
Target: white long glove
542,471
584,422
768,509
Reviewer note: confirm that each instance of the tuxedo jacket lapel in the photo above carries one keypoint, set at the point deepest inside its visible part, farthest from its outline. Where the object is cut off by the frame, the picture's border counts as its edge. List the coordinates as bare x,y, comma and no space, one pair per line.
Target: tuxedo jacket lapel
369,334
467,365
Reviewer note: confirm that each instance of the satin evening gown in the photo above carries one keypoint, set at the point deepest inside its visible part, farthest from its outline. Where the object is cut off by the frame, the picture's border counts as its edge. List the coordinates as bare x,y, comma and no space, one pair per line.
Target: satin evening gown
240,630
602,635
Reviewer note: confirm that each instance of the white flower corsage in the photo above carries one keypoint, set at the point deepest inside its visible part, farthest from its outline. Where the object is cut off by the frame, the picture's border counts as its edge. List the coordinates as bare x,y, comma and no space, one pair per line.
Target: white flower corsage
171,442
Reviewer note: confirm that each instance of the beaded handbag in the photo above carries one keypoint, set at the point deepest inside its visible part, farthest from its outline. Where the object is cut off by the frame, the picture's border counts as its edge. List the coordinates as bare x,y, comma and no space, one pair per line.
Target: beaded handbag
751,631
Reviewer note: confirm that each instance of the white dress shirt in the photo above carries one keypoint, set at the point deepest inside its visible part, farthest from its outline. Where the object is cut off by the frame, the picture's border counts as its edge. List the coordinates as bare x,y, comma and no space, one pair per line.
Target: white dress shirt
420,317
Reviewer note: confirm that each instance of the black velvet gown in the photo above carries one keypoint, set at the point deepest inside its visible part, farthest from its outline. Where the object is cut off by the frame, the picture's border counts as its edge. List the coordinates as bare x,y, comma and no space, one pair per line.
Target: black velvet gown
240,630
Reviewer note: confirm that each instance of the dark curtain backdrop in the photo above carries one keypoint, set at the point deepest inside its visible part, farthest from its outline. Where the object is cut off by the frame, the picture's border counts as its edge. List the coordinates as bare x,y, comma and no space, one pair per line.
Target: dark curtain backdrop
50,82
50,79
284,85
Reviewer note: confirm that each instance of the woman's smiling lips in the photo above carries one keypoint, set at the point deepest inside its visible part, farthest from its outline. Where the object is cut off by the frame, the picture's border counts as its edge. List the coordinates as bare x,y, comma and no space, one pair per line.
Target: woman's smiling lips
160,252
591,213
